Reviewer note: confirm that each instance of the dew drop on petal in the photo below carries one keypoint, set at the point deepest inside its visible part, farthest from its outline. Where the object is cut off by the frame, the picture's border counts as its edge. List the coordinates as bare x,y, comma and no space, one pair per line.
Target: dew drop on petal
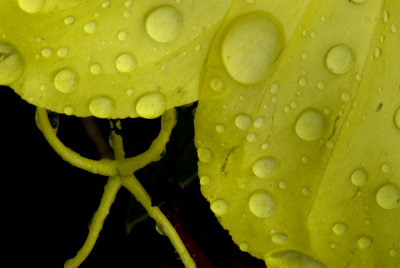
359,177
220,207
11,64
125,63
205,155
31,6
339,228
261,204
364,242
265,167
151,105
164,24
243,121
310,125
388,196
340,59
279,238
66,81
101,106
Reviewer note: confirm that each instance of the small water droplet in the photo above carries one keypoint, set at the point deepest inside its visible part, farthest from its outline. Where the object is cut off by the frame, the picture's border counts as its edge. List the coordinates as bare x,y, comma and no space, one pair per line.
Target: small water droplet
339,228
204,180
122,35
320,85
279,238
128,3
265,167
11,64
393,28
217,84
106,4
388,196
198,47
306,191
359,177
164,24
96,69
31,6
125,63
151,105
68,110
220,128
345,96
90,27
385,168
250,48
130,91
378,52
304,56
393,252
302,81
69,20
47,52
340,59
265,146
386,16
259,122
310,125
305,159
274,88
66,81
334,245
62,52
220,207
244,246
261,204
243,121
102,106
364,242
205,155
283,185
251,137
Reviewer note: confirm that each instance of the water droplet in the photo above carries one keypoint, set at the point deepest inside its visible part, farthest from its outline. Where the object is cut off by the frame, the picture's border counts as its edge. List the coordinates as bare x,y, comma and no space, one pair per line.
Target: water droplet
204,180
340,59
306,191
128,3
274,88
393,28
101,106
244,246
302,81
283,185
11,64
220,128
265,167
388,196
339,228
126,13
385,168
261,204
243,121
397,118
305,159
125,63
205,155
151,105
31,6
251,46
106,4
122,35
279,238
251,137
130,91
220,207
198,47
259,122
62,52
164,24
359,177
217,84
304,56
386,16
90,27
345,96
69,20
320,85
96,69
265,146
393,252
364,242
68,110
334,245
47,52
378,52
310,125
66,81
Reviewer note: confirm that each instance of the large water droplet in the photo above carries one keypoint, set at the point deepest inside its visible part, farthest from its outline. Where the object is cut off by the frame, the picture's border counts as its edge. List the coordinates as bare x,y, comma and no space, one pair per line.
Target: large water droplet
261,204
279,238
359,177
251,47
164,24
11,64
205,155
66,81
243,121
220,207
310,125
125,63
339,228
265,167
102,106
388,196
364,242
31,6
340,59
397,118
151,105
90,27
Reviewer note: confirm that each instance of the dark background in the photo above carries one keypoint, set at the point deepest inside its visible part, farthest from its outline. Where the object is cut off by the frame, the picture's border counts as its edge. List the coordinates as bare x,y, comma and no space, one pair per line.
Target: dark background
47,204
